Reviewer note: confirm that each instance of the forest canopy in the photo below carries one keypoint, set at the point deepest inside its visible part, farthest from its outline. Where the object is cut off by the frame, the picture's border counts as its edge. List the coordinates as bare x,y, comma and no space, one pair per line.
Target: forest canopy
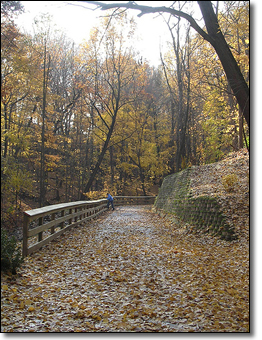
78,121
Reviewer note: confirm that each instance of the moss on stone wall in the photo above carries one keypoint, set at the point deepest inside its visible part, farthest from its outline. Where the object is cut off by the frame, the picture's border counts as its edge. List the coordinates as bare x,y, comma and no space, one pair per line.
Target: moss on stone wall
174,187
204,212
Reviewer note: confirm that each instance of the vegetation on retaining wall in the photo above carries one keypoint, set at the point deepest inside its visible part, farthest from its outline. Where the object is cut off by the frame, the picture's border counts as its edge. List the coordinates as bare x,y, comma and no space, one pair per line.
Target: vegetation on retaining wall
203,212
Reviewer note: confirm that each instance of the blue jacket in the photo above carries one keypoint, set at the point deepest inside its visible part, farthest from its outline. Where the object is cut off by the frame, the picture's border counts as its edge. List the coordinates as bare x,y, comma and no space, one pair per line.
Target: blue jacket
110,198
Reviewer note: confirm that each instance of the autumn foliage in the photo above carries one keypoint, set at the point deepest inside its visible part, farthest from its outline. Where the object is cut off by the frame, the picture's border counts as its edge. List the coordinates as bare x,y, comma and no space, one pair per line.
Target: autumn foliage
78,121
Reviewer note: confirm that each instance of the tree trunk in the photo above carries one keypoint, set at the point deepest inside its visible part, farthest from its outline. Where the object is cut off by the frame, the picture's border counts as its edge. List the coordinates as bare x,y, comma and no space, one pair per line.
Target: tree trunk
171,142
6,129
111,151
240,128
230,66
181,119
42,162
100,158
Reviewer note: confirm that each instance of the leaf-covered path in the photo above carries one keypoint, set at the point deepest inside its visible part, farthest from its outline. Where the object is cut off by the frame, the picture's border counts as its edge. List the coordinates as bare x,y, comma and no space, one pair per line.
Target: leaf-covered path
130,270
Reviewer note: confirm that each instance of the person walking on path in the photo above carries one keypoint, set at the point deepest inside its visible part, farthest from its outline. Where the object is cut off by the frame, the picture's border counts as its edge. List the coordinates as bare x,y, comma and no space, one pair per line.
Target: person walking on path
110,200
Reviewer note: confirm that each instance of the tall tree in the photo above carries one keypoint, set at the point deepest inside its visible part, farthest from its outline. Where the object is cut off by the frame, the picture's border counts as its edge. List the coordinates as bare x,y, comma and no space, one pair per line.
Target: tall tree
213,35
113,72
46,70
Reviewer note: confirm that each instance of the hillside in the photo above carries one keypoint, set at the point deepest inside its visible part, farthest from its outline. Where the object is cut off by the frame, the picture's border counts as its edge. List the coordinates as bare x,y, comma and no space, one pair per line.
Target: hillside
201,195
208,180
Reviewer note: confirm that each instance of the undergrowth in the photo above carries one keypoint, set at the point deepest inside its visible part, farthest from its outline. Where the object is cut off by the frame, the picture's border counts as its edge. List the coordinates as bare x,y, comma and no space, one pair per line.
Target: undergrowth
11,257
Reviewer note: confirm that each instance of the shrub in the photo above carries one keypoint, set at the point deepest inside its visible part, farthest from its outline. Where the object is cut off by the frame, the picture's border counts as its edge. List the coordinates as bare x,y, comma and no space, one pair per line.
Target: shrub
11,257
229,182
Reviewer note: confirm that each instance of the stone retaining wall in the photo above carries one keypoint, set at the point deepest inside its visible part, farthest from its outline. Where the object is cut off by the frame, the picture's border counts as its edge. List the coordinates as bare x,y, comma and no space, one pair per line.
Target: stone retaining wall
203,212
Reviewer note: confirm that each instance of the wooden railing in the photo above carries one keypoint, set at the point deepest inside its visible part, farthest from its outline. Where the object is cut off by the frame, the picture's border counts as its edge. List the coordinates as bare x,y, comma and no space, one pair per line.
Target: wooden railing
134,200
43,225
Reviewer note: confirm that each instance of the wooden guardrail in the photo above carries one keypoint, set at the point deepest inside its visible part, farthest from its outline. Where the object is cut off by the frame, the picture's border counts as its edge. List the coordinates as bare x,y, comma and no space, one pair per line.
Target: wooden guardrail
49,222
134,200
43,225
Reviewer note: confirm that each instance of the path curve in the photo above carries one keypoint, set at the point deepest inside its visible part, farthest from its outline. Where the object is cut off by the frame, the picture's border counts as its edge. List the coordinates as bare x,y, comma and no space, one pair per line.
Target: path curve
129,270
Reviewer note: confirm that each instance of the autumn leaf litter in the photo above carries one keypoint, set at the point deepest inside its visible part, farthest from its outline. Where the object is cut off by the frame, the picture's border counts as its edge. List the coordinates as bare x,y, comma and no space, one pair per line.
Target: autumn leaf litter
208,180
130,271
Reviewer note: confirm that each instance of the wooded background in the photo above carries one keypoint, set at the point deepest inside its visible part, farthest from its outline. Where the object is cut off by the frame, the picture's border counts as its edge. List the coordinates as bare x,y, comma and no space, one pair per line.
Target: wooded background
78,121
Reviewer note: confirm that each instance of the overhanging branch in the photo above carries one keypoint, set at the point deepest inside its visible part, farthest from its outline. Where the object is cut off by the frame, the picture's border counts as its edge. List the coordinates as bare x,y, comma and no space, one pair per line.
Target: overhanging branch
148,9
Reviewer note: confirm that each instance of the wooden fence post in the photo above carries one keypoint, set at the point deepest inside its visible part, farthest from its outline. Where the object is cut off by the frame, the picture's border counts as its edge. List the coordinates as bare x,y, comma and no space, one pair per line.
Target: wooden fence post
25,234
70,220
40,235
53,228
76,216
62,223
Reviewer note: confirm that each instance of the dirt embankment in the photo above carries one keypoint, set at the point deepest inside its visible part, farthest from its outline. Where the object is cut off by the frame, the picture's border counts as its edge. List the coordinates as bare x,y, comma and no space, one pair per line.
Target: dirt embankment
208,180
211,198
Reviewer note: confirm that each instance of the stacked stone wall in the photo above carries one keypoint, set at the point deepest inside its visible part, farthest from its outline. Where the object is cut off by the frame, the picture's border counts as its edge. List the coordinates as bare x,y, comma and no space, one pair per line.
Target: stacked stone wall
203,213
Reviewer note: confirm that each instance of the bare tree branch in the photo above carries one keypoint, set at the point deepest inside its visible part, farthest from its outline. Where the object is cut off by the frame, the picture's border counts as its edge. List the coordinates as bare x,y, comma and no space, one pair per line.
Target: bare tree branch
149,9
212,34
